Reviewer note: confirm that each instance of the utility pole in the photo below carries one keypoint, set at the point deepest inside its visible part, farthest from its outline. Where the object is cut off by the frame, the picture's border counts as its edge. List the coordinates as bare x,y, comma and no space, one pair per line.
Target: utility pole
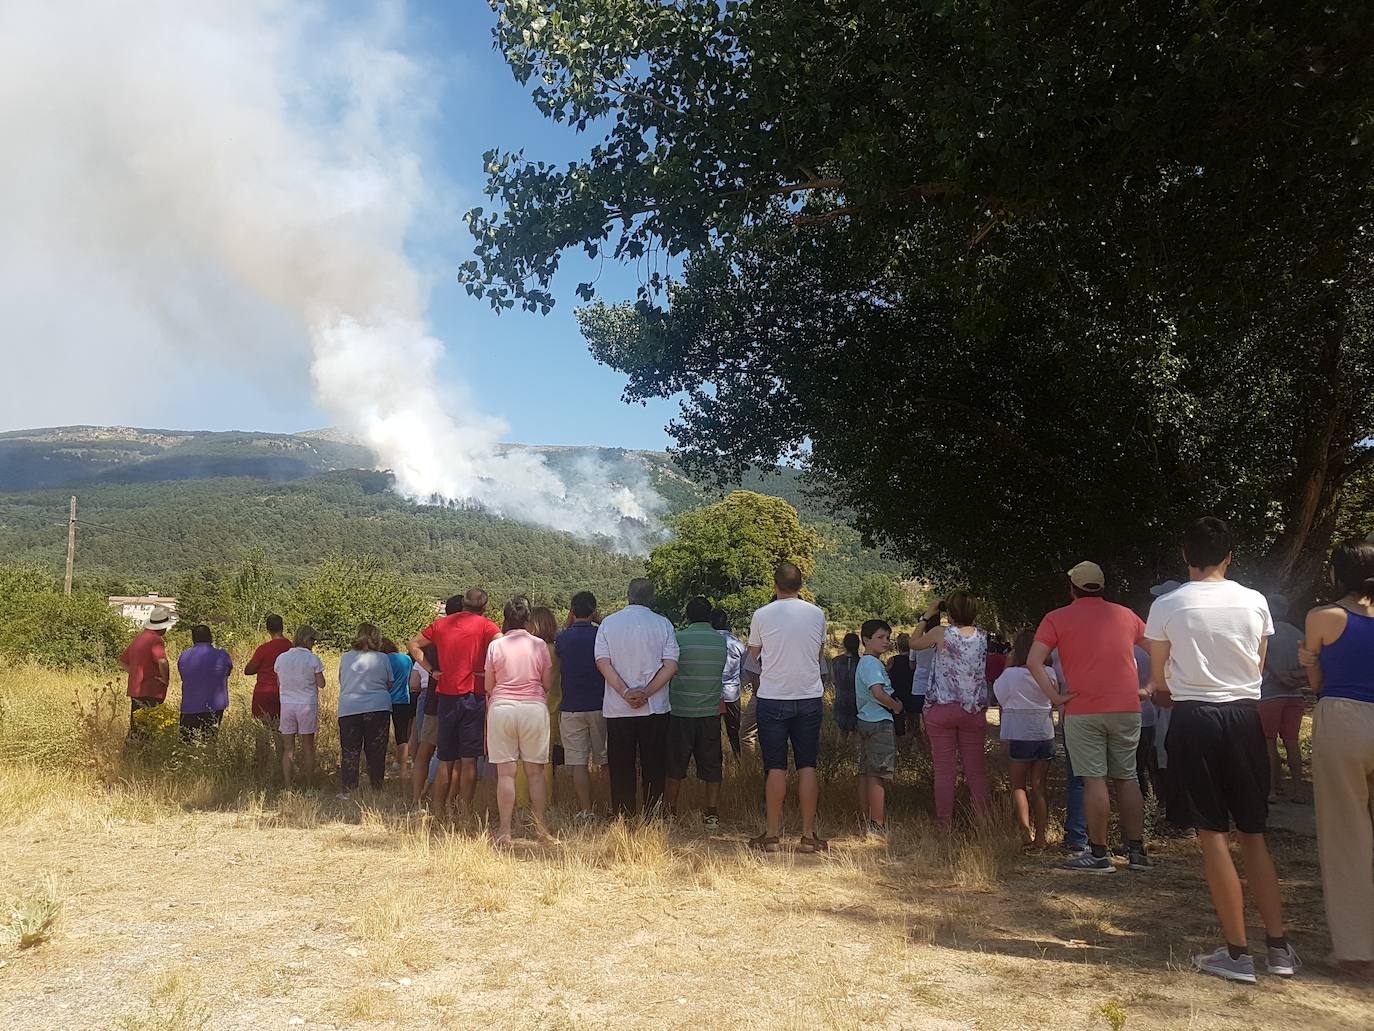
71,547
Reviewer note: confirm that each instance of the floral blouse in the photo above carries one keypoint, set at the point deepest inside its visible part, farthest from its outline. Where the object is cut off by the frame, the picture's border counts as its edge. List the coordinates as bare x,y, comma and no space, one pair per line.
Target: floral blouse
960,671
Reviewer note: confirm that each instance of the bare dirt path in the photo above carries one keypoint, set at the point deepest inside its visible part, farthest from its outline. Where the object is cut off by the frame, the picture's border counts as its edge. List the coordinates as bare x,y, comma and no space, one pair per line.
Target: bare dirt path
309,913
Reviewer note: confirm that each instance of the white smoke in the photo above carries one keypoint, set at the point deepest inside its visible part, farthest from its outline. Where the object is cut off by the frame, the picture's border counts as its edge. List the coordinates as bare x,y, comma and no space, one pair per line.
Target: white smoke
192,183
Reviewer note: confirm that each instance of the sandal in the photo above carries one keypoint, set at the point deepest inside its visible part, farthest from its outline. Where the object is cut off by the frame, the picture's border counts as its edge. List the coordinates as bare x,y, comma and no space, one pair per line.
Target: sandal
812,844
765,843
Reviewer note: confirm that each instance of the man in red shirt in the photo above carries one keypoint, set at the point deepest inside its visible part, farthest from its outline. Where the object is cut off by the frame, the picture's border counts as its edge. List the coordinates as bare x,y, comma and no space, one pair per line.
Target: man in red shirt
146,662
266,693
460,641
1096,642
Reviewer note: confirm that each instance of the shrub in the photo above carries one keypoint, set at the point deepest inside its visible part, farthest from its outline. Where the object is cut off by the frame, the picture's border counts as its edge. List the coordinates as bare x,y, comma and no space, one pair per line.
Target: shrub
38,622
345,592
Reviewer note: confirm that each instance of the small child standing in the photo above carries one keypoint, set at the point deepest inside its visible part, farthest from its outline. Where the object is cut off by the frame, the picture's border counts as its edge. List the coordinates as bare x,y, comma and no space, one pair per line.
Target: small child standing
877,740
1028,734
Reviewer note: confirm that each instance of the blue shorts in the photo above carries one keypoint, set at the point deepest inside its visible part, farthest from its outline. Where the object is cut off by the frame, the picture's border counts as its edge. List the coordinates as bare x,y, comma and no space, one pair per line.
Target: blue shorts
462,726
1030,751
796,722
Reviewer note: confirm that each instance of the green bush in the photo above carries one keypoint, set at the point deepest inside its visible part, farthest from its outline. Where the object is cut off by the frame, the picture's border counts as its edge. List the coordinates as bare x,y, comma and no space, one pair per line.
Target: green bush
39,623
345,592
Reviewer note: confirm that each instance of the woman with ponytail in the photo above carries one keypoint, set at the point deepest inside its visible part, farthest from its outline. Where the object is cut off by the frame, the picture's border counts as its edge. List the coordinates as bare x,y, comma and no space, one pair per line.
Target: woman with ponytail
1339,656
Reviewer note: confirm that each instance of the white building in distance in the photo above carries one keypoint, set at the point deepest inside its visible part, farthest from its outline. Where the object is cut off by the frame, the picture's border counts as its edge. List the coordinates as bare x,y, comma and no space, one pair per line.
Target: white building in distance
136,610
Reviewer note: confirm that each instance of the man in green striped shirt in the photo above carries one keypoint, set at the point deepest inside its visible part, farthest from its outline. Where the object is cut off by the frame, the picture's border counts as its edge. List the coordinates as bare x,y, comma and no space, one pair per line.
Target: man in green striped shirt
694,696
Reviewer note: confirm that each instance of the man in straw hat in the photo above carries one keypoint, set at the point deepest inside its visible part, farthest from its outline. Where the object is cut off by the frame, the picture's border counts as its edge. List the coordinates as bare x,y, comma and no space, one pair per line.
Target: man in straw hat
145,660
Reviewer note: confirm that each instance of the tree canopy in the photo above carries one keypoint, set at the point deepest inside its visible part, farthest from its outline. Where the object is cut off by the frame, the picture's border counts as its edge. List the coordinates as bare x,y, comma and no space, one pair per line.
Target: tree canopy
729,553
1023,283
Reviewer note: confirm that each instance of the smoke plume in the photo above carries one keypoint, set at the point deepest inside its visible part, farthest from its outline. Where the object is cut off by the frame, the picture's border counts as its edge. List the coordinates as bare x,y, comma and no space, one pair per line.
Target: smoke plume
190,183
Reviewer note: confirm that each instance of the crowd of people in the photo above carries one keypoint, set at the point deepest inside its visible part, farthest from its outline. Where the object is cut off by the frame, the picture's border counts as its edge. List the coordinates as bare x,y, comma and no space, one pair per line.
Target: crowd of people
1188,703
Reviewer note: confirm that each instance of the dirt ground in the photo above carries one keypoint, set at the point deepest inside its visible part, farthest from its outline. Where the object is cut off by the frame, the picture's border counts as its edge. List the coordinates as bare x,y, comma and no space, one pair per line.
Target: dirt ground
310,912
194,895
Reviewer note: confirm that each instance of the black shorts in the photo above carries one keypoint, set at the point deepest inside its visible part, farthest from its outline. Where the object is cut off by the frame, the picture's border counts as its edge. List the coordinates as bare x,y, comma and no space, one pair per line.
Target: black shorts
1219,763
401,718
694,738
462,726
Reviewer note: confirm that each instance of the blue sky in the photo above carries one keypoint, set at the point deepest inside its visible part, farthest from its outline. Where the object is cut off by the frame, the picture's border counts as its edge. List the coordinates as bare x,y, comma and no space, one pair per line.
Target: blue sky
561,396
134,293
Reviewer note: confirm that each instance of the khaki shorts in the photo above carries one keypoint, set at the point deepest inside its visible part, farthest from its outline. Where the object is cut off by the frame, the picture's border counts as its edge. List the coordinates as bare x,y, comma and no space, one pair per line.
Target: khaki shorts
517,731
1103,744
425,729
878,748
584,738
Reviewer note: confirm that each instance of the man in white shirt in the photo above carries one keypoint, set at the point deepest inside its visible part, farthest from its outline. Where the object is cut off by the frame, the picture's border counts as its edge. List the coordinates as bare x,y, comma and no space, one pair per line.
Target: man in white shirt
1207,643
637,652
787,636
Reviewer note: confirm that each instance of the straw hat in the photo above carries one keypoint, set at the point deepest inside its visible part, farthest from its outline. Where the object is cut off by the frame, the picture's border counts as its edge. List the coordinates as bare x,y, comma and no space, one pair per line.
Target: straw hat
161,618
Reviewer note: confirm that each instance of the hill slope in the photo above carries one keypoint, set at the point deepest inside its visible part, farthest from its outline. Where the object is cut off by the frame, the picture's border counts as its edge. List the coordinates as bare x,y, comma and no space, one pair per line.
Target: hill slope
155,504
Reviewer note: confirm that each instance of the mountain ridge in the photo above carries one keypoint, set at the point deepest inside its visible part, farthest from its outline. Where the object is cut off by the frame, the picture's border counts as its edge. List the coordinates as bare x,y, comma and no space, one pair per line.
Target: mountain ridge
157,504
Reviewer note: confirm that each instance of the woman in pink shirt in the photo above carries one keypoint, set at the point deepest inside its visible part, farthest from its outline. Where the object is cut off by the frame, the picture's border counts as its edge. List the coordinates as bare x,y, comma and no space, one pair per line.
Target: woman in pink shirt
519,678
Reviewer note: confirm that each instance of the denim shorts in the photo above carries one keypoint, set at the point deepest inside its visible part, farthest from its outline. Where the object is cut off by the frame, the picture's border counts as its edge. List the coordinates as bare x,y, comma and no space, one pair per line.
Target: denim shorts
795,721
1030,751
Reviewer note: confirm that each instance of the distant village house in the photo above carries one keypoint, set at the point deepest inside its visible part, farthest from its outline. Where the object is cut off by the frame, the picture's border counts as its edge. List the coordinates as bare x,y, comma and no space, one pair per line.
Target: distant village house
136,610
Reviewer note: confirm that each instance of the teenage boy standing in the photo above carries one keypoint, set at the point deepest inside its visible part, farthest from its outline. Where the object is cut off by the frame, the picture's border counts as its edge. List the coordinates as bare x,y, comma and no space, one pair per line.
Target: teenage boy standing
876,709
1207,644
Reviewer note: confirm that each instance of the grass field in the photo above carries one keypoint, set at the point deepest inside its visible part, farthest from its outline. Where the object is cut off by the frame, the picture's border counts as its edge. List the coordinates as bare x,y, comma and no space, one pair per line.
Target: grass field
185,893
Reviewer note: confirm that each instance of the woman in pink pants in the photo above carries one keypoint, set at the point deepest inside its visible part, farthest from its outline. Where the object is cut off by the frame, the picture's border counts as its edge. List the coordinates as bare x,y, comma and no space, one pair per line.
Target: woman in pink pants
956,702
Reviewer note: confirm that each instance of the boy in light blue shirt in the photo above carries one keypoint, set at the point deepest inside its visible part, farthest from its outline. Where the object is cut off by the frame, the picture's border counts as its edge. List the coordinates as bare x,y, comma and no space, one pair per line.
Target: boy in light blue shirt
877,740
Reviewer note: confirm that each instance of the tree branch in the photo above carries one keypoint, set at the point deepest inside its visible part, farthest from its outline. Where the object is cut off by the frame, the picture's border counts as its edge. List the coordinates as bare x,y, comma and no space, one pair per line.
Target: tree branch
1364,459
938,188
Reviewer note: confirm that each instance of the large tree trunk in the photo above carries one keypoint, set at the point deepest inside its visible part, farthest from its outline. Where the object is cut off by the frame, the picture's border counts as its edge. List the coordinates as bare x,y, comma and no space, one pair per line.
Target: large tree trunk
1323,465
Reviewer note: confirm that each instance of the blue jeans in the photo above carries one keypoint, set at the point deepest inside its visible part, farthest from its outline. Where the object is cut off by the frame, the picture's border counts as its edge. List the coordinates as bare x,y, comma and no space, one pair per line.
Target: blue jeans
783,722
1075,820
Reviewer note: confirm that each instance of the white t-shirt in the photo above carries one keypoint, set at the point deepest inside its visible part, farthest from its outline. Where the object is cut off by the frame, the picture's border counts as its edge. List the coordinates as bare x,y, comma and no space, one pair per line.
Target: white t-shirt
638,641
296,671
1025,709
1214,629
790,632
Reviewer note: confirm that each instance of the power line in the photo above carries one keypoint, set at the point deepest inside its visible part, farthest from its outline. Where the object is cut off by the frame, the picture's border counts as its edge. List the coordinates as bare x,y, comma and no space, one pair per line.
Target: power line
128,533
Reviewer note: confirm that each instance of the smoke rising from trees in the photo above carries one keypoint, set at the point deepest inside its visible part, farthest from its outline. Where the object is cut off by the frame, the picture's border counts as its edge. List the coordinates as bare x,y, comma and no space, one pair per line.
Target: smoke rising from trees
191,186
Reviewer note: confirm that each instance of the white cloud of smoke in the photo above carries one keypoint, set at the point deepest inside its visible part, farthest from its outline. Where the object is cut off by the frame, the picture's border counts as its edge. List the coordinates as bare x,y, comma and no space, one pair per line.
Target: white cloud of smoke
191,183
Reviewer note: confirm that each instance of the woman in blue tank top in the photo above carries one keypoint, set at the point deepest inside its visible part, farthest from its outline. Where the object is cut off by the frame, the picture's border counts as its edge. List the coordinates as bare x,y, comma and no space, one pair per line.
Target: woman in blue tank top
1339,656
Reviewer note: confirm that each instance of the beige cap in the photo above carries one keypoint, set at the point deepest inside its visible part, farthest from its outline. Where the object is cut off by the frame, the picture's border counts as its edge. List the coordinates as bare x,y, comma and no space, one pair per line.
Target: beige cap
1087,576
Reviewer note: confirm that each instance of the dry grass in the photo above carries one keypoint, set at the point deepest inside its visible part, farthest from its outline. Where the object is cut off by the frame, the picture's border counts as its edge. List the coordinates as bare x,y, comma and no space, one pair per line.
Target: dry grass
33,918
196,895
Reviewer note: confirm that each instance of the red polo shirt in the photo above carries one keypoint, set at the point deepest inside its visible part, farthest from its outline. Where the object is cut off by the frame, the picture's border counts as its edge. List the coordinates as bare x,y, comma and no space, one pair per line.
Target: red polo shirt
266,691
141,660
1096,641
461,641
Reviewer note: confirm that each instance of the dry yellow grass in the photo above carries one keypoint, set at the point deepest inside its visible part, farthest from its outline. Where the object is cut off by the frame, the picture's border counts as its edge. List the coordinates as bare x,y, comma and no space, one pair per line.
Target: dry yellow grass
196,895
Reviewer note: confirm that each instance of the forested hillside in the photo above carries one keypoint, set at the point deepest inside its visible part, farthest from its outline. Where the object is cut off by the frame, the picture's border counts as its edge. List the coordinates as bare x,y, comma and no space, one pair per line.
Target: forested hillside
146,523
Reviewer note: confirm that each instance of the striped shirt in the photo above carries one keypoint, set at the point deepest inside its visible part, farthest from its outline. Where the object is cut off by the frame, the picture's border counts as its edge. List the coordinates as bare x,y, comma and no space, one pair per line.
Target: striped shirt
696,689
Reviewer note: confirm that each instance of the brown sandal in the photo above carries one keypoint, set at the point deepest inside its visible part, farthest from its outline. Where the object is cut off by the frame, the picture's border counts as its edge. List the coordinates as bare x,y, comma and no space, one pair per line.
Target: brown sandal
765,843
812,844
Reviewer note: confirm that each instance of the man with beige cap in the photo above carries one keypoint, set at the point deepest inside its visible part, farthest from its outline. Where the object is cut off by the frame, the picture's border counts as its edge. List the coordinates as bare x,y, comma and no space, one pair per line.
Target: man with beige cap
1096,642
145,660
